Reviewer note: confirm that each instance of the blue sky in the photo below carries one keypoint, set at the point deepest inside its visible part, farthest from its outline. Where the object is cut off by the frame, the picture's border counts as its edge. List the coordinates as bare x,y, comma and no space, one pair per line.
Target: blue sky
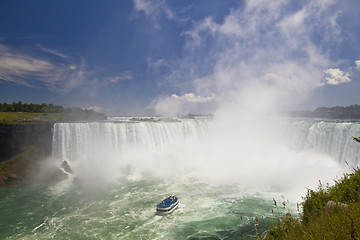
175,57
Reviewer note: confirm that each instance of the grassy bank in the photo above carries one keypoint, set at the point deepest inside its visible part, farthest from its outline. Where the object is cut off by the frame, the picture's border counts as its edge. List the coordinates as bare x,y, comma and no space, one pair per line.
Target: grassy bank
330,212
26,117
70,116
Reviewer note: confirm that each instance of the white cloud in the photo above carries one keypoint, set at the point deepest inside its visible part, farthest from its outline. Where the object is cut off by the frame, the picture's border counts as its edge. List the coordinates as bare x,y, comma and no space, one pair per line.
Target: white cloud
294,24
119,78
52,51
154,9
191,97
263,19
357,63
180,105
15,67
261,45
206,25
241,23
53,70
157,65
335,76
25,69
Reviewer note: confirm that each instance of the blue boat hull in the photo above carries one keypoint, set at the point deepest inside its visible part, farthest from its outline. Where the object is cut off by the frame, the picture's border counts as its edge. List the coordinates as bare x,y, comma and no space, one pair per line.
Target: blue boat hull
167,206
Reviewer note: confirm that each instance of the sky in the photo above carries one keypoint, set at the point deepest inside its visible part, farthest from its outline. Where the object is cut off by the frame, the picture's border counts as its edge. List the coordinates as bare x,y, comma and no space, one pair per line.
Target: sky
158,57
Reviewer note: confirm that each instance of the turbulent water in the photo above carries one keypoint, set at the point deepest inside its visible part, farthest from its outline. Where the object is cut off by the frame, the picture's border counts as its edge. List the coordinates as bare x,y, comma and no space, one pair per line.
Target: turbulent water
122,169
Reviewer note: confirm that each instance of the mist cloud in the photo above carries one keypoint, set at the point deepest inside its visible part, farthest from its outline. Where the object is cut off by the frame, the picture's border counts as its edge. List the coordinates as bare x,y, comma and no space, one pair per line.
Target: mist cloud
94,108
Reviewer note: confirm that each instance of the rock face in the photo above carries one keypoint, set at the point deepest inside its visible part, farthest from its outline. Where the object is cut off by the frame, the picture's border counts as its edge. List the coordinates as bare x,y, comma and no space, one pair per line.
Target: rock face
22,149
65,165
15,137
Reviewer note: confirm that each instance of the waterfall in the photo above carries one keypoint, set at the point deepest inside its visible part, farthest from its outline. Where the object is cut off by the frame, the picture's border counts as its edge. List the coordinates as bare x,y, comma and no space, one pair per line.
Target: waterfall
334,138
72,141
106,146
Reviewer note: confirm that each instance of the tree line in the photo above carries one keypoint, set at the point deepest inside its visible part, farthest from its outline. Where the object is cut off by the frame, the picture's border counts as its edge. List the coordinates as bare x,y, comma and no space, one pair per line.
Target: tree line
67,114
338,112
35,108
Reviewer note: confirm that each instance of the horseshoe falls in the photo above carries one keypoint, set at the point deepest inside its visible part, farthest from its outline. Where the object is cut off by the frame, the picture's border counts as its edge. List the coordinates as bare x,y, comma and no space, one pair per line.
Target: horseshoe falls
225,176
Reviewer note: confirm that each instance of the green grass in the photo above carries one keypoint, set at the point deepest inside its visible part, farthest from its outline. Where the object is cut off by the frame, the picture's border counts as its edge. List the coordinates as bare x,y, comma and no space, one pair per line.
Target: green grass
338,222
25,117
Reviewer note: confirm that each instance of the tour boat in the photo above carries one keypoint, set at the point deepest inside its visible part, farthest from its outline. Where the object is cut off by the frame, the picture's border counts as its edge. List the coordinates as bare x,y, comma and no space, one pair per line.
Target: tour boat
167,206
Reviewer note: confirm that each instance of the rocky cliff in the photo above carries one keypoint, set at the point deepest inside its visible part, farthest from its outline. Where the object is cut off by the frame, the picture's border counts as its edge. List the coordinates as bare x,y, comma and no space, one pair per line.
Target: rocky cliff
22,147
14,138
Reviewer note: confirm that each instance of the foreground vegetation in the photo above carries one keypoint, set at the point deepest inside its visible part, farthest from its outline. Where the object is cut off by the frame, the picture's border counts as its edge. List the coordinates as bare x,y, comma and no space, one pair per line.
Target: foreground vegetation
331,212
26,113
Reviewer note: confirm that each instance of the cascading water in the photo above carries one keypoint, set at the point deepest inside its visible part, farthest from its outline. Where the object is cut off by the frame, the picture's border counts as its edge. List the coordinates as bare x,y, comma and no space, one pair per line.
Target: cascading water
334,138
73,141
83,142
146,161
112,147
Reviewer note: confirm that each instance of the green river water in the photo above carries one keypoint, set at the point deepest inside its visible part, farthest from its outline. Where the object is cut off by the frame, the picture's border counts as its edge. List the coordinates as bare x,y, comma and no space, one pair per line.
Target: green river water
125,209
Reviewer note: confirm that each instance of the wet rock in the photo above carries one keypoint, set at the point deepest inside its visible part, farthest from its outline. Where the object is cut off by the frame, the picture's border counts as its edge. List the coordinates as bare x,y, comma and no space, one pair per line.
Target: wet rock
65,165
12,177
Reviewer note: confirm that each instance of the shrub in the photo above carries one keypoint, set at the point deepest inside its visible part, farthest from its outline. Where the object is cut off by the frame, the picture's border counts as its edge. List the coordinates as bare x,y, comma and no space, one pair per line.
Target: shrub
341,221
